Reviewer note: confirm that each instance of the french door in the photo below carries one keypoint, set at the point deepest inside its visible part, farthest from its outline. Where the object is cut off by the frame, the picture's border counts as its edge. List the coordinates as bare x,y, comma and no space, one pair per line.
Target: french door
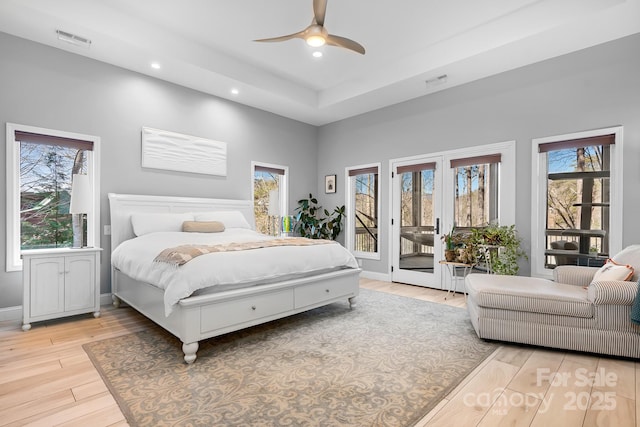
417,224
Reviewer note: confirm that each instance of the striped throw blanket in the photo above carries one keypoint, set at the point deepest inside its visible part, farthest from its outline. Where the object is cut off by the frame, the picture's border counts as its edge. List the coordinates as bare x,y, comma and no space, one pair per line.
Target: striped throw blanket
182,254
635,308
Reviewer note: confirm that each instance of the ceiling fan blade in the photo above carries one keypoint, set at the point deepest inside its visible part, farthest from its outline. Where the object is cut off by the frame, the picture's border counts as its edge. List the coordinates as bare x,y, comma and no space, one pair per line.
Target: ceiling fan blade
319,10
297,35
346,43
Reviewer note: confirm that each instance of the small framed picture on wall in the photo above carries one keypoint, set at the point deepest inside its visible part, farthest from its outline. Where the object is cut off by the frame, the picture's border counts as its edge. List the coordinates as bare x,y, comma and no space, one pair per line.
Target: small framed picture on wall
330,184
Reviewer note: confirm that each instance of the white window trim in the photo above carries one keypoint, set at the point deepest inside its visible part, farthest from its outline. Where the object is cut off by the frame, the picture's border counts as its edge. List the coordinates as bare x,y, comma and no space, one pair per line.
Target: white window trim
14,261
284,186
350,196
539,195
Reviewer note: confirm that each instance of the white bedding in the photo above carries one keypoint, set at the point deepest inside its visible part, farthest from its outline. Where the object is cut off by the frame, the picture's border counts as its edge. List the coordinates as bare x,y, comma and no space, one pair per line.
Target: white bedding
135,257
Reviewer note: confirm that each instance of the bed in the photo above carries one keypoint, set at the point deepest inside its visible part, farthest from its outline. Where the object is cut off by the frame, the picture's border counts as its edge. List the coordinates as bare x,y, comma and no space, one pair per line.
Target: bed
227,307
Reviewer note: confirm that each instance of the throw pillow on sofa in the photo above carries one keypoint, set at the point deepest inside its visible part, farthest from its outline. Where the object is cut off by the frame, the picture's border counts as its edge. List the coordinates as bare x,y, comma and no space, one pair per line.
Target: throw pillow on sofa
611,270
630,255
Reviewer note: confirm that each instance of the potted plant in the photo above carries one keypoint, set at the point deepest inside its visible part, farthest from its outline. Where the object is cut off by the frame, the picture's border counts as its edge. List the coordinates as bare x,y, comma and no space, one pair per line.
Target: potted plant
499,246
310,224
468,250
450,245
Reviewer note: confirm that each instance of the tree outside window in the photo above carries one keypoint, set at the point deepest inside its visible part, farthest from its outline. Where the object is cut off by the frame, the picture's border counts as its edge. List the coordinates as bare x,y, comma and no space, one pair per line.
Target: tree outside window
270,198
578,197
264,183
45,190
476,194
366,212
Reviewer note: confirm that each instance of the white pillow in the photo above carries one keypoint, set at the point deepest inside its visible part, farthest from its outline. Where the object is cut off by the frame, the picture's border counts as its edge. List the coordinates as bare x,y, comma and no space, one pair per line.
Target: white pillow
230,219
630,255
613,271
145,223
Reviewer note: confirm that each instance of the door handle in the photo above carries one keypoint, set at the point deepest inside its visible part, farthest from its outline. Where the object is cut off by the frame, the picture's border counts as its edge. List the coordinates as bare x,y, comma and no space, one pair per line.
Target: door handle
437,230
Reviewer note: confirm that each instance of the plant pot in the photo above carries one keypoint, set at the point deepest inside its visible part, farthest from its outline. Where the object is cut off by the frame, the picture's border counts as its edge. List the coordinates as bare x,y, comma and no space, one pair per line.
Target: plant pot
450,255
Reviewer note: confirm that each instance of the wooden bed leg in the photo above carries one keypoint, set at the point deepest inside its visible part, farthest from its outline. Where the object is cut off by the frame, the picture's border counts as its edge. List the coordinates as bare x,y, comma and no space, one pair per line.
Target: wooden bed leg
189,351
352,302
116,301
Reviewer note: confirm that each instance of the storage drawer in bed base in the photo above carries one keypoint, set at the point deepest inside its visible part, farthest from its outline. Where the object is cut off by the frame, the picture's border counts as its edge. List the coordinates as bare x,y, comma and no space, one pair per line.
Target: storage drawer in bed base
245,310
310,295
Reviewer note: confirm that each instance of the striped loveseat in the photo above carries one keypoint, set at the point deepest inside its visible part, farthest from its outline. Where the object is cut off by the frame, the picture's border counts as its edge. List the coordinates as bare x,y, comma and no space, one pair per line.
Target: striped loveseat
570,312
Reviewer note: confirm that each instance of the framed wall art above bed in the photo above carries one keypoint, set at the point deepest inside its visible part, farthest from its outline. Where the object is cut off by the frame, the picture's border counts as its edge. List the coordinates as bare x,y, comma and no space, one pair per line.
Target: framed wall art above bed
166,150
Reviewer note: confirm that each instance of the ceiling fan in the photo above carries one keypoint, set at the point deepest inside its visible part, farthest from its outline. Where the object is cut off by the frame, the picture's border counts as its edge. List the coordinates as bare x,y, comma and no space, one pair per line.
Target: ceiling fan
316,35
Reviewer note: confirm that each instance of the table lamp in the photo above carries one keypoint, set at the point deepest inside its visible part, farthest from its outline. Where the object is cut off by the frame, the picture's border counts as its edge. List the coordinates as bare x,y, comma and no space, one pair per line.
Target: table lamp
81,204
274,211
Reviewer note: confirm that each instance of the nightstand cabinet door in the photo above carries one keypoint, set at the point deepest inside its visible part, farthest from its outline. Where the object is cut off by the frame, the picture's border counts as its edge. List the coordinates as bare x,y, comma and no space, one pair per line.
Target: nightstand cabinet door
79,283
47,286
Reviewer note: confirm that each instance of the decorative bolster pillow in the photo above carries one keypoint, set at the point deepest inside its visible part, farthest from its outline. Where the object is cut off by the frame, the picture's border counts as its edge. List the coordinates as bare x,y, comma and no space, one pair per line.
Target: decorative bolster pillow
203,226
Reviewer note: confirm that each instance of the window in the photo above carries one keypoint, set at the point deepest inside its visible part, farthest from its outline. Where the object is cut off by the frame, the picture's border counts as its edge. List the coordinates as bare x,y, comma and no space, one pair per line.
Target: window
576,226
577,198
363,208
41,165
479,186
476,190
270,196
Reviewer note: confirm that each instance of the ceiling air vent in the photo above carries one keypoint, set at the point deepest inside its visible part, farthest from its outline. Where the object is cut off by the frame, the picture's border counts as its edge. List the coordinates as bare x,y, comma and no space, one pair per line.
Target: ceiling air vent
73,39
437,81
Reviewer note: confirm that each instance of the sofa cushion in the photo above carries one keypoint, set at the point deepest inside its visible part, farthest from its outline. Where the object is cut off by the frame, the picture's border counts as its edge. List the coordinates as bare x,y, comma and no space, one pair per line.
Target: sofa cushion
528,294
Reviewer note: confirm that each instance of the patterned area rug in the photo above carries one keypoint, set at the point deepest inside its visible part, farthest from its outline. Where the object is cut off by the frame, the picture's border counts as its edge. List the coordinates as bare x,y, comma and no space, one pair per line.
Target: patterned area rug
387,362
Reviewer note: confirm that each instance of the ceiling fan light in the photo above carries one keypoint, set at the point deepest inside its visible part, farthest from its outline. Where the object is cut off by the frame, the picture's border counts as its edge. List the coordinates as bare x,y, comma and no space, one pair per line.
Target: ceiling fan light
316,40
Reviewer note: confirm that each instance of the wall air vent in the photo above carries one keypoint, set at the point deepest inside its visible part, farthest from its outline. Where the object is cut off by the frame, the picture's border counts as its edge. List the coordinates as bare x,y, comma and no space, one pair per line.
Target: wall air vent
436,81
73,39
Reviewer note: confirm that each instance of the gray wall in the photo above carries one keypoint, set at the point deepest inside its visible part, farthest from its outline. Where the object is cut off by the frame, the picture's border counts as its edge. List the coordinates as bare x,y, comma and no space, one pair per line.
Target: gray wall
595,88
46,87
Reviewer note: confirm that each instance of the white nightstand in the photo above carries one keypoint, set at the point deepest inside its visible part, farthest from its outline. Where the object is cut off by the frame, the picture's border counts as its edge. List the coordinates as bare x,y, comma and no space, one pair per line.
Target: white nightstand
60,282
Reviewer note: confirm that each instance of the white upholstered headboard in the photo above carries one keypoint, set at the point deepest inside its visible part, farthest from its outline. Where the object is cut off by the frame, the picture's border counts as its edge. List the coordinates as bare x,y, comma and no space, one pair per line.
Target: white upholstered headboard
123,205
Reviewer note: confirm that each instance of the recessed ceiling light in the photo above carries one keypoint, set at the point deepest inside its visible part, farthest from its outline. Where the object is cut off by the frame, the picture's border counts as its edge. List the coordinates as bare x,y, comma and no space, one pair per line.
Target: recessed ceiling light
317,54
235,91
155,65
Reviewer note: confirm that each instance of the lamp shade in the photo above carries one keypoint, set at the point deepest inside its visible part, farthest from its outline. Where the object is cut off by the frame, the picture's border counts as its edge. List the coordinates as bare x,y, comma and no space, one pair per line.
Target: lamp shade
274,203
81,197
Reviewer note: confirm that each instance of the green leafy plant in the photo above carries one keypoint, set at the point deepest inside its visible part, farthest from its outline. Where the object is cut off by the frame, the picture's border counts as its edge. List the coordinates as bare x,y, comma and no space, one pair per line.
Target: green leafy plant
501,244
456,239
448,239
310,224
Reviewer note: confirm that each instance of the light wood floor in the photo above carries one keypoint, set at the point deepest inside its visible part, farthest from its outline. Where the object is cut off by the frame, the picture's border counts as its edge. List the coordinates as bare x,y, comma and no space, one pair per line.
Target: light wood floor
46,379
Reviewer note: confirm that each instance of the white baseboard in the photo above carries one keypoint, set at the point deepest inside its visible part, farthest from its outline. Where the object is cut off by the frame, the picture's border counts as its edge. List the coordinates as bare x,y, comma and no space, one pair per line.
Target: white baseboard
11,313
15,313
373,275
105,299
